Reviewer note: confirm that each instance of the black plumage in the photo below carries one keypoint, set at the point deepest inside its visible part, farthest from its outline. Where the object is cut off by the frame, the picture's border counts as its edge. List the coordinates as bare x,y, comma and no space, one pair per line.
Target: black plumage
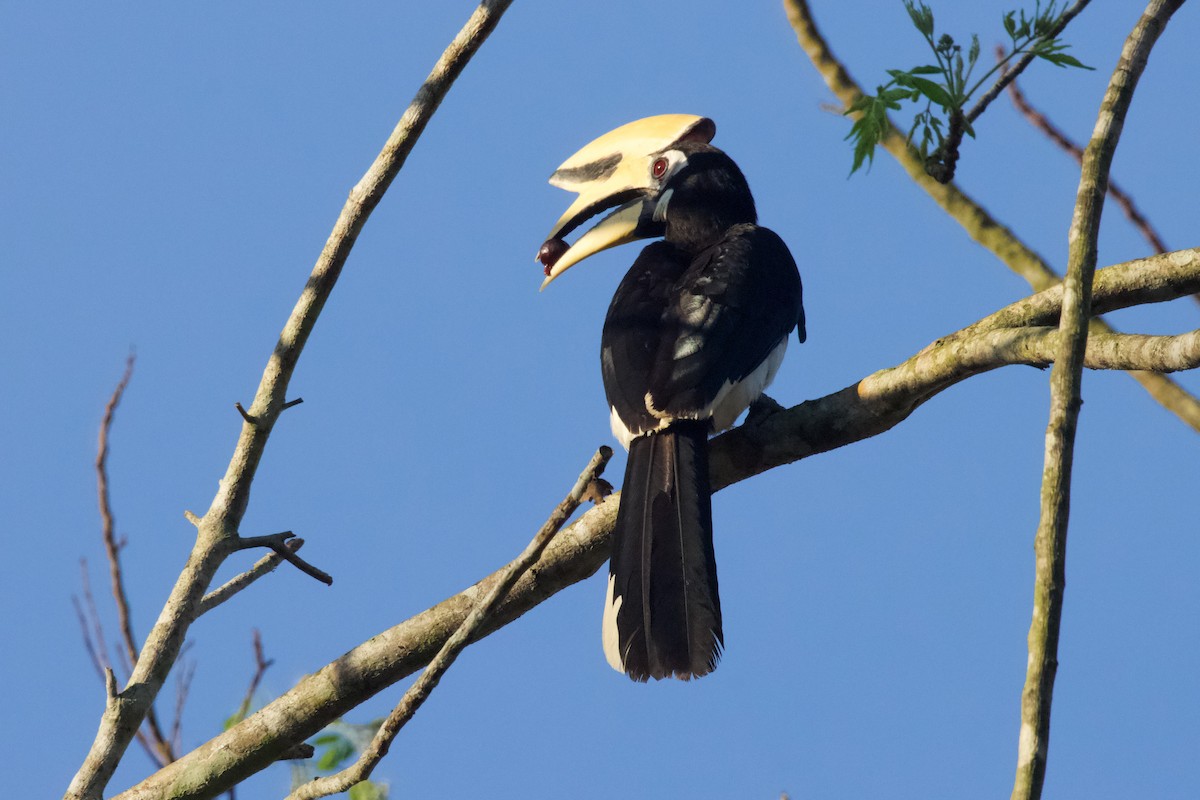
693,335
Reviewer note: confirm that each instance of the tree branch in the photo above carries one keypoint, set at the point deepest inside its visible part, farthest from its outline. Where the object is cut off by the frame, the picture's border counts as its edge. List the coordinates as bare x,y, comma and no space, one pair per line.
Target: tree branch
264,565
107,524
157,746
1050,544
217,531
869,407
277,542
1010,74
261,665
974,219
416,695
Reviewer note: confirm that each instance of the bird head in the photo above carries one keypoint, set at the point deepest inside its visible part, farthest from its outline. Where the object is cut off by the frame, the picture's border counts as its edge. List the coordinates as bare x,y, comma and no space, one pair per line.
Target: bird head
635,171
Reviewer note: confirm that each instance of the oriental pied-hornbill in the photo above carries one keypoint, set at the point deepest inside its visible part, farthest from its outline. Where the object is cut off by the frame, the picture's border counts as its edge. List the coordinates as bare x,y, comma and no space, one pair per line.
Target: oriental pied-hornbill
694,334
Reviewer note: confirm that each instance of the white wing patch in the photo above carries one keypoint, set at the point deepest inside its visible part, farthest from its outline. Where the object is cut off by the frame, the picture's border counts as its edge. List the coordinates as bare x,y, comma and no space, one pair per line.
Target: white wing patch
608,631
732,399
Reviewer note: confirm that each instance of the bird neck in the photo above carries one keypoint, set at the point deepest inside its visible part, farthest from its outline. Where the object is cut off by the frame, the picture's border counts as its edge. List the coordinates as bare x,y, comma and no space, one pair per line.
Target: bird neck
696,227
709,197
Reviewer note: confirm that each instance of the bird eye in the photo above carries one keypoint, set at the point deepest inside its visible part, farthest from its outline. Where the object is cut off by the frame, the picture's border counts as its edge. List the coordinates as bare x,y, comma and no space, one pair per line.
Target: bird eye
659,167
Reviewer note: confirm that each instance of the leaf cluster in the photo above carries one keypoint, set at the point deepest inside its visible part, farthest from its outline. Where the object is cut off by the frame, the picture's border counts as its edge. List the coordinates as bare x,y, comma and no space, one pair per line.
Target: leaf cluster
945,86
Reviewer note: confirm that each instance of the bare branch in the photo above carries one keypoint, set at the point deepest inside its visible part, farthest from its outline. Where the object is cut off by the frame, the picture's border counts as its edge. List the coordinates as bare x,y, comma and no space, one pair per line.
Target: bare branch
770,439
86,635
261,665
183,687
234,585
163,752
89,622
278,543
244,414
968,213
416,695
108,525
217,532
1050,544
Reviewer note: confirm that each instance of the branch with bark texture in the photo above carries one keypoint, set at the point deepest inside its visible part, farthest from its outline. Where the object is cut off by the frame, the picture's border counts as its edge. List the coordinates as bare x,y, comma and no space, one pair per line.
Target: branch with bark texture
1050,543
217,534
968,213
867,408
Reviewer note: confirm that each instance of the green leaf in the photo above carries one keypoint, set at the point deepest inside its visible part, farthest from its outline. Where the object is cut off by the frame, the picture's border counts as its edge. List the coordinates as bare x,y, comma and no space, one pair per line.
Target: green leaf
1010,24
891,97
973,54
927,69
869,128
935,92
1063,60
921,15
368,790
338,751
913,130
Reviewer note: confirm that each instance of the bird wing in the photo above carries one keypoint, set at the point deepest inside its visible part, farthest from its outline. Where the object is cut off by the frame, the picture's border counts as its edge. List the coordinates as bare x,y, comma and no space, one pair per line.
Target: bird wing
680,329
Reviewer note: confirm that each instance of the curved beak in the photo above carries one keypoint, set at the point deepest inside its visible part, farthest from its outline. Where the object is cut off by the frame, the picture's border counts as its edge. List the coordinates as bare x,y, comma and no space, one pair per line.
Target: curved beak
613,171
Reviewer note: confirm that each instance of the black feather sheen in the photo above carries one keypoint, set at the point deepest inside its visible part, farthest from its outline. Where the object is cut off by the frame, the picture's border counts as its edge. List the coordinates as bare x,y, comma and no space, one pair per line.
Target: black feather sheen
663,566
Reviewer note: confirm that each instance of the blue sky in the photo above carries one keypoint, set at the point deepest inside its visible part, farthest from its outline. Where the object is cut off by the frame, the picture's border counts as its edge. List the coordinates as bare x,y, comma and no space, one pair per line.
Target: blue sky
169,177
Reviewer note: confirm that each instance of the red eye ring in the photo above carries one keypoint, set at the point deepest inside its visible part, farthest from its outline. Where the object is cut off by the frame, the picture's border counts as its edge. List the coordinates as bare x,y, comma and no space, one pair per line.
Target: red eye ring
659,167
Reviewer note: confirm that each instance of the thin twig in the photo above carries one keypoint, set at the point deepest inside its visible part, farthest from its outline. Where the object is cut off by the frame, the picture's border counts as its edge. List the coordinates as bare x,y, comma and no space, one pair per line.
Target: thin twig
967,212
85,634
940,165
1050,544
164,752
183,687
94,642
416,695
278,543
244,414
864,409
234,585
1016,69
261,665
107,524
93,630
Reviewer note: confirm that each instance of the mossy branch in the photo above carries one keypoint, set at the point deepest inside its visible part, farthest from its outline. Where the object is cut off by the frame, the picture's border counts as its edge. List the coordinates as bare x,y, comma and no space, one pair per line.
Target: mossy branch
1050,543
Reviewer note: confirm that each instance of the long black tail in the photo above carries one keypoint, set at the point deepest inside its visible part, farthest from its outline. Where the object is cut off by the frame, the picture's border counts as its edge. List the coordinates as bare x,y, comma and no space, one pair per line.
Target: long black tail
663,616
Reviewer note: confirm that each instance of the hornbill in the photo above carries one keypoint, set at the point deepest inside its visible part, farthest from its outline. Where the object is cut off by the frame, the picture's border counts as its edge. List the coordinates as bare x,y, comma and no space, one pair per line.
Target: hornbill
695,333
